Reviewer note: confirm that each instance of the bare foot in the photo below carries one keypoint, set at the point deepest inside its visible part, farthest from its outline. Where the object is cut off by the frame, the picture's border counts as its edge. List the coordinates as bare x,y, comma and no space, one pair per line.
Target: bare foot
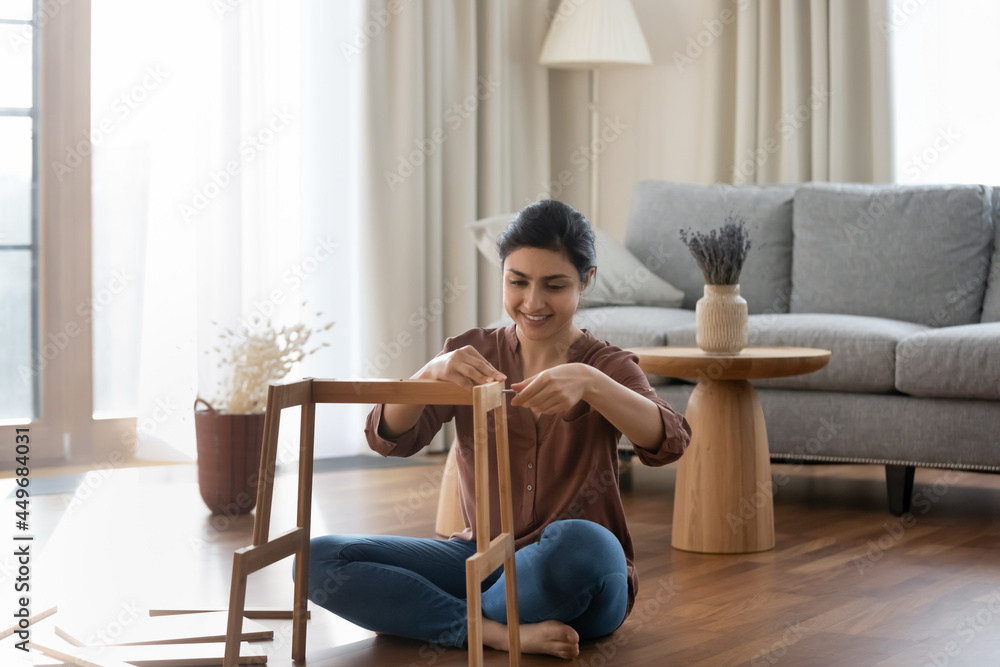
549,638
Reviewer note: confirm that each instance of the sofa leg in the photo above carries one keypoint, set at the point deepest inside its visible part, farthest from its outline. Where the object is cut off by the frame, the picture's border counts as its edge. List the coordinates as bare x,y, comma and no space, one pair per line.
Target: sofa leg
899,482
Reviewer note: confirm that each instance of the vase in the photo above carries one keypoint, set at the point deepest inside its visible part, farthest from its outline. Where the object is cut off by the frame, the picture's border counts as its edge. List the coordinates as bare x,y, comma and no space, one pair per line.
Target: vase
228,459
721,320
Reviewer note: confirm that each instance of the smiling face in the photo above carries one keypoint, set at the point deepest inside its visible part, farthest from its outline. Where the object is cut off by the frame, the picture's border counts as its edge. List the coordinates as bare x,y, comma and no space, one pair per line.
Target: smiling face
541,292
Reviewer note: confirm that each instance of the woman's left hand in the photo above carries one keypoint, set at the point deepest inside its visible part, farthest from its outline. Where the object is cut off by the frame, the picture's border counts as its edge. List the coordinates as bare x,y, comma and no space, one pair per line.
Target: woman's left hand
554,390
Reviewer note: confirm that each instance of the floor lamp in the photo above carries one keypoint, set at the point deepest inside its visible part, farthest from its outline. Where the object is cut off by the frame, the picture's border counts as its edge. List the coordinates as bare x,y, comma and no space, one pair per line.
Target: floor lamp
593,34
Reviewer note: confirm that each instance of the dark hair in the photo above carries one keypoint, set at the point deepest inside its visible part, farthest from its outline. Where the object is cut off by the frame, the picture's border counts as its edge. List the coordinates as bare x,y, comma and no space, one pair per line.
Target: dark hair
551,225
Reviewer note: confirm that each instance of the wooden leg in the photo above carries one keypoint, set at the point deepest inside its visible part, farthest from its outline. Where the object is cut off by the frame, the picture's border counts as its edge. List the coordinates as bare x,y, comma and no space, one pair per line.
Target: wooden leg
300,601
899,484
723,499
237,600
507,527
513,623
474,606
304,519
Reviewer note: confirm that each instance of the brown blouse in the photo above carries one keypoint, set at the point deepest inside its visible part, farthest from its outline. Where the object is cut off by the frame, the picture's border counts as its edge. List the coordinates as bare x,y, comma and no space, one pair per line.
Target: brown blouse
565,466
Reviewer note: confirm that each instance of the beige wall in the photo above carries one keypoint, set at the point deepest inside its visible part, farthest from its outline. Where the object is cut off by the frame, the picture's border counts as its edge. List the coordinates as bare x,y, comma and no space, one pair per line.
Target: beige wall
659,110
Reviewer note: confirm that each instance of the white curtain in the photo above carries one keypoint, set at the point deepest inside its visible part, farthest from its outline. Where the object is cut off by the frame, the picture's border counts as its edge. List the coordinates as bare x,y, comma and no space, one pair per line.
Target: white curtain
320,153
238,162
455,128
800,91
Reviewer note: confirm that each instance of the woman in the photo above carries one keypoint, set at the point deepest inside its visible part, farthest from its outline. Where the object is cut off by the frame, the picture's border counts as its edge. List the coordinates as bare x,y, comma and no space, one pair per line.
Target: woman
575,396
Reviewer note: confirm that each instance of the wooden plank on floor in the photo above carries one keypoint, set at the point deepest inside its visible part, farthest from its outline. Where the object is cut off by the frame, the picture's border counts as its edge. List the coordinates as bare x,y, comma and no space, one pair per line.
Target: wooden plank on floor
250,612
72,655
166,655
184,629
69,638
31,621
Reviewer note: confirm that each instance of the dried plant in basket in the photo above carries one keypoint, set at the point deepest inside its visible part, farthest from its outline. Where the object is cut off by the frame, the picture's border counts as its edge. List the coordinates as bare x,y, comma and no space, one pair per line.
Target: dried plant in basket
254,360
720,253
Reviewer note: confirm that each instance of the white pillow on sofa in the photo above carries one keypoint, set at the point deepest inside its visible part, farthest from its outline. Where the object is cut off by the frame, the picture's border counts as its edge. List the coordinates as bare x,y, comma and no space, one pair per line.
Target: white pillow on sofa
622,280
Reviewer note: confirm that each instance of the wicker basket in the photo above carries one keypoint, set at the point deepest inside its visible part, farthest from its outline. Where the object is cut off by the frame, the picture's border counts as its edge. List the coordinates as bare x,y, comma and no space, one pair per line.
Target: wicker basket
228,459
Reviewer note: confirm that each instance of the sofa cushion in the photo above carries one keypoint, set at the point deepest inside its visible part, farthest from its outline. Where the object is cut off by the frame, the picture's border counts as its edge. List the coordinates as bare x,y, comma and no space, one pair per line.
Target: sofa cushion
863,349
660,209
622,280
913,253
991,301
632,326
951,362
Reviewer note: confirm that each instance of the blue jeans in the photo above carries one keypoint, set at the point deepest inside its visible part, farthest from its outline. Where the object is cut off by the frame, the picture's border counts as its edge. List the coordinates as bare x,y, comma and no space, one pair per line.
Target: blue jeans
413,587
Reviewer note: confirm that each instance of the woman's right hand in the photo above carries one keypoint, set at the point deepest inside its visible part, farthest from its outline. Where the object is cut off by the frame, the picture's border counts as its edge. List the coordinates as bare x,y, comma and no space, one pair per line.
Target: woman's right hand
464,366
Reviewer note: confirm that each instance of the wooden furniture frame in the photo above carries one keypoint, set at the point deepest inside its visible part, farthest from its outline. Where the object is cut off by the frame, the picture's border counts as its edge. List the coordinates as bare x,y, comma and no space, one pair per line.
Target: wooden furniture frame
723,497
265,551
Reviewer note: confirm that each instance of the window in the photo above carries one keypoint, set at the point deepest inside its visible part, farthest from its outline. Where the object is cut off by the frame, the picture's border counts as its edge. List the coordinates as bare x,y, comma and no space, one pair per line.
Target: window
945,58
18,212
45,219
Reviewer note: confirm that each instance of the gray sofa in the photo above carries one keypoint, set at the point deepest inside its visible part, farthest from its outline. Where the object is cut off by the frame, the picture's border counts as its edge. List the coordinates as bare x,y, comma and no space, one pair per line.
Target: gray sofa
901,283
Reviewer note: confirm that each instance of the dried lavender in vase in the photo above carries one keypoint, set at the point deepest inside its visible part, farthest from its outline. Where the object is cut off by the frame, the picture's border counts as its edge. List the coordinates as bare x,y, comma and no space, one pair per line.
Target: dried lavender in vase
720,253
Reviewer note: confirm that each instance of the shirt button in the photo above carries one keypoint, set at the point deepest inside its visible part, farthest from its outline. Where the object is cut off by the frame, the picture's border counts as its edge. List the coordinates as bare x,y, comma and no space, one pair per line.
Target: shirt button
531,465
529,487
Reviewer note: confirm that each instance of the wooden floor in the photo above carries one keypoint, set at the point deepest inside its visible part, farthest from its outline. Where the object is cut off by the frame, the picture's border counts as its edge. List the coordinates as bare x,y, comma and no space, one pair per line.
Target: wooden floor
848,583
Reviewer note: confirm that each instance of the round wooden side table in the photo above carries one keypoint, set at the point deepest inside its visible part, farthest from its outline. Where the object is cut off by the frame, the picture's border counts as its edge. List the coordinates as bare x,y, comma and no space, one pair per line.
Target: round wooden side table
723,498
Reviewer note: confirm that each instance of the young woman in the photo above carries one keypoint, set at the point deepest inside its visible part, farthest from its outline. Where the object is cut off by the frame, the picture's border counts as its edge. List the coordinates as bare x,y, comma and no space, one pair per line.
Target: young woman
575,396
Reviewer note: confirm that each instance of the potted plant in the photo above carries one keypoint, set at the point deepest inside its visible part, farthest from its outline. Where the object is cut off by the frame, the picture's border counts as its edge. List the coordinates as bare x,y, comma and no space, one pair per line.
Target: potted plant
230,432
721,314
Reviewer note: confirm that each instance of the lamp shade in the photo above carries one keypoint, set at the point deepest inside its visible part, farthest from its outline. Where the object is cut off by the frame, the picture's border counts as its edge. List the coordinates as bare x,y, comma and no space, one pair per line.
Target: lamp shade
586,34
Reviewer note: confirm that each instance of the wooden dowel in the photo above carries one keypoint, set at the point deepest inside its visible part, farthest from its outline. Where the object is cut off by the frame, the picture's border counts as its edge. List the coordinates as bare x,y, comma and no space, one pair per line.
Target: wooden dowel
31,621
